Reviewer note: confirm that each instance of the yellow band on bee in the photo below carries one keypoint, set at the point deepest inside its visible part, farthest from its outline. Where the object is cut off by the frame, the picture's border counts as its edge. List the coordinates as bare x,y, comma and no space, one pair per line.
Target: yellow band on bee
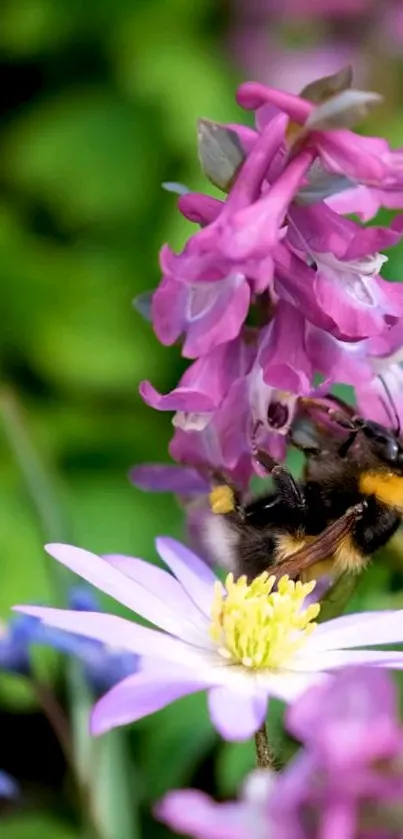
222,500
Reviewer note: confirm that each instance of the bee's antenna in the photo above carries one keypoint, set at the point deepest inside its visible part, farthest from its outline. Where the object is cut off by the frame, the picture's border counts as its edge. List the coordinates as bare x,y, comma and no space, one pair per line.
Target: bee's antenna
392,413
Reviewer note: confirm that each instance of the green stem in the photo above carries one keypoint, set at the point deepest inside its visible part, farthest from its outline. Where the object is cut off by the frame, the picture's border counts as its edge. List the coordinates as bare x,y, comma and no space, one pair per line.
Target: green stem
265,758
98,807
39,484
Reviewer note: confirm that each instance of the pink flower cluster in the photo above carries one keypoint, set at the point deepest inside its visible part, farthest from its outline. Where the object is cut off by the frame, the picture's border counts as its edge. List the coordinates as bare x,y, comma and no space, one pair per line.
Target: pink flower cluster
262,37
346,783
276,287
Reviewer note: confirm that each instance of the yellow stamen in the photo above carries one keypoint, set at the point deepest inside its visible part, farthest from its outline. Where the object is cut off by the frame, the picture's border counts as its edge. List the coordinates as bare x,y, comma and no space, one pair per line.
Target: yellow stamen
258,627
222,500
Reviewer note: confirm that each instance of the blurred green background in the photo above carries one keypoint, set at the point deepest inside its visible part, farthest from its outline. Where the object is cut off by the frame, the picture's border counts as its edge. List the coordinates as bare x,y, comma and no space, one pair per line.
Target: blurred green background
99,102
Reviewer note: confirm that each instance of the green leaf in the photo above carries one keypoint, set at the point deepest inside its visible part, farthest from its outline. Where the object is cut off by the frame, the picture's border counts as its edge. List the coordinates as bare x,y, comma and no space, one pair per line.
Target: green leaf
30,826
85,154
115,787
235,761
173,743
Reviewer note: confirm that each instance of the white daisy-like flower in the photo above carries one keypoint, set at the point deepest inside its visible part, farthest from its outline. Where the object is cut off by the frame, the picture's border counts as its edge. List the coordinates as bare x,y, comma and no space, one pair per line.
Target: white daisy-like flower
240,642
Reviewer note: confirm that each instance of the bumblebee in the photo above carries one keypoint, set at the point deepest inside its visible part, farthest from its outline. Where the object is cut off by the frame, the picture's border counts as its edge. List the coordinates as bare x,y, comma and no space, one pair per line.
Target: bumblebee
348,504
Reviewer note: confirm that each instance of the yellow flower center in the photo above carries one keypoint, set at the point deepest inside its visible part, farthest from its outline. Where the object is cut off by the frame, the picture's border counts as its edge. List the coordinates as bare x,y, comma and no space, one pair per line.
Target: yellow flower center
258,627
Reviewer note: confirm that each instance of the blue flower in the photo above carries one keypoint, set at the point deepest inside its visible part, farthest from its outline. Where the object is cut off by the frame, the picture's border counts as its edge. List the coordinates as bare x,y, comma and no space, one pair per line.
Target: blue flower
8,786
103,667
15,638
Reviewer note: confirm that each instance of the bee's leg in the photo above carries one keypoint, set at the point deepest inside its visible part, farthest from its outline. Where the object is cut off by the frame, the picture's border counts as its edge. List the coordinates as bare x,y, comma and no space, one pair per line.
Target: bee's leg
225,498
351,422
287,487
309,451
324,545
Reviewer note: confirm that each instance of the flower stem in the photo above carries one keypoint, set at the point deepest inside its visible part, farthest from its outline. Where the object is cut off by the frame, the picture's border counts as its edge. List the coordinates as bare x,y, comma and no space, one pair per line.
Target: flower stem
44,491
265,757
57,719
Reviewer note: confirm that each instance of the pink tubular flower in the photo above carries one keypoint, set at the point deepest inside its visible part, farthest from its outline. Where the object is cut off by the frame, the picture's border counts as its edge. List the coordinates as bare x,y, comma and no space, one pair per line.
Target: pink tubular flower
194,813
218,638
276,254
207,314
346,782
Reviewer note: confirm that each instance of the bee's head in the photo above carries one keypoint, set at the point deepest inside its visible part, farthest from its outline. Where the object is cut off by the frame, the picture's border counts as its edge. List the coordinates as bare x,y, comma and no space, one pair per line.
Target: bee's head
384,444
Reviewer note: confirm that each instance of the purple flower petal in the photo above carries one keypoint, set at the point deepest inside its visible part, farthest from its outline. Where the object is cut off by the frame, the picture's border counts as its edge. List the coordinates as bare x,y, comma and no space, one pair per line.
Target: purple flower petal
180,399
118,632
237,716
365,696
158,477
253,231
283,356
252,95
202,209
157,581
195,814
248,184
356,157
194,575
140,695
222,320
102,575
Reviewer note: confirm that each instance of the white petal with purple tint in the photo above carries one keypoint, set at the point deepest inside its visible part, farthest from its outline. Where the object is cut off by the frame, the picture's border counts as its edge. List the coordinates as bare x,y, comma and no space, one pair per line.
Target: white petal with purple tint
359,630
160,583
101,574
120,633
138,696
330,659
194,575
237,715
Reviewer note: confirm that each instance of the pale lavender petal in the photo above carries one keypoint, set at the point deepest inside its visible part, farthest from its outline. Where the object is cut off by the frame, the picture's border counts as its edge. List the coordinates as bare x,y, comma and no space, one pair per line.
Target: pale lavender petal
159,582
138,696
102,575
194,574
289,685
158,477
358,630
237,716
195,814
118,632
333,659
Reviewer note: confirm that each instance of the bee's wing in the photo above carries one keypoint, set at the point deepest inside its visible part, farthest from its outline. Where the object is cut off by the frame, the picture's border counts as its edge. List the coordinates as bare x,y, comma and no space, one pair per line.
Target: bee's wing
334,600
322,547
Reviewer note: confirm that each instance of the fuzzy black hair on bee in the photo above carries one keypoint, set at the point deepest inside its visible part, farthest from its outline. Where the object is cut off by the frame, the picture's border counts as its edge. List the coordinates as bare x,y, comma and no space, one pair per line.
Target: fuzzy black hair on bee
348,504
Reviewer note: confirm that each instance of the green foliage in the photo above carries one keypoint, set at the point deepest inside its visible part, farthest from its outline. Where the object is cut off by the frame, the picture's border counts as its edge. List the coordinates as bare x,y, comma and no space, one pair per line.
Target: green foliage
105,97
100,106
36,827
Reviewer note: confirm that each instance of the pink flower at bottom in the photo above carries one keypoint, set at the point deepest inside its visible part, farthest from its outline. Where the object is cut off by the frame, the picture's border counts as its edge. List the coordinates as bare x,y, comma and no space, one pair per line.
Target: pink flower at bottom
345,783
